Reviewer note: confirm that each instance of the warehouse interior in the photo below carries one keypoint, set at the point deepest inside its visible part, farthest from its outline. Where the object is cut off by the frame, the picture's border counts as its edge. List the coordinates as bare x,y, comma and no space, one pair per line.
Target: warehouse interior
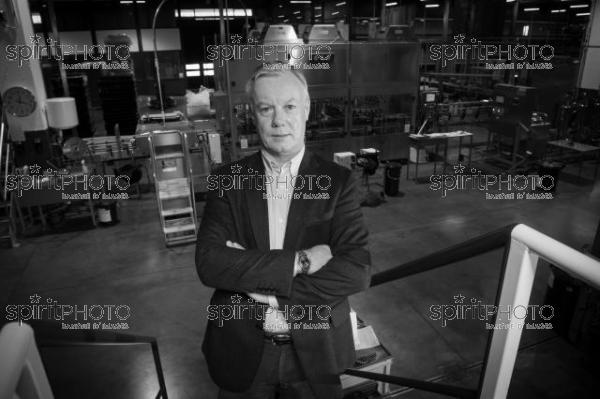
459,119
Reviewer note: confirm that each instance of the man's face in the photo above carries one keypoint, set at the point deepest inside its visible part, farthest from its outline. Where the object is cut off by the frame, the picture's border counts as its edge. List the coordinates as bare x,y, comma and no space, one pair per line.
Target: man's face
281,110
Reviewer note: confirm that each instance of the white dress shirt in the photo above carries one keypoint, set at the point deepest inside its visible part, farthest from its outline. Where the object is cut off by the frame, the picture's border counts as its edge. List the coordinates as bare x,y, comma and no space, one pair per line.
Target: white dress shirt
279,192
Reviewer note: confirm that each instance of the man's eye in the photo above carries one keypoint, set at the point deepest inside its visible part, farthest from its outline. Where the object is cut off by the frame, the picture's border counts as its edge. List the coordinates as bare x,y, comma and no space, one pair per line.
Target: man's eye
264,110
290,107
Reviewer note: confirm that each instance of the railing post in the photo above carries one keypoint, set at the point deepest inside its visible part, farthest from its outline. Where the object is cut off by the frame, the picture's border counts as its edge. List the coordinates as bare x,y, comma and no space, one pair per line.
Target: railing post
518,280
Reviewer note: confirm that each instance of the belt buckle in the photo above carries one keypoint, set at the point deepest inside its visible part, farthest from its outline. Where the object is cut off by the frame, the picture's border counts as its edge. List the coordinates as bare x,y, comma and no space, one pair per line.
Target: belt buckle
279,339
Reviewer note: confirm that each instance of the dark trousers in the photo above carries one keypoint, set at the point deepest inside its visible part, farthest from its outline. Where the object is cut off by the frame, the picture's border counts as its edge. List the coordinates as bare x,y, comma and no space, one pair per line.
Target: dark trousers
279,376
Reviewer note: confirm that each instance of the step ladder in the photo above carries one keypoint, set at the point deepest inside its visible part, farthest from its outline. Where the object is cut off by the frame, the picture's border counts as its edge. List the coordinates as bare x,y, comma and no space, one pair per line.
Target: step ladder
174,186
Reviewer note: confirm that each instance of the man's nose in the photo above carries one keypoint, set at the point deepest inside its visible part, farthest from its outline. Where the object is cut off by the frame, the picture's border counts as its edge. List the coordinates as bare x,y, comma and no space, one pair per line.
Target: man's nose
278,118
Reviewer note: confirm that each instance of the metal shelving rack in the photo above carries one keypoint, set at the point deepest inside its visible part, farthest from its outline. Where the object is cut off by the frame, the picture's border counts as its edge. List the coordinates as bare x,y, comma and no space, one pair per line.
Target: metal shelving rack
174,186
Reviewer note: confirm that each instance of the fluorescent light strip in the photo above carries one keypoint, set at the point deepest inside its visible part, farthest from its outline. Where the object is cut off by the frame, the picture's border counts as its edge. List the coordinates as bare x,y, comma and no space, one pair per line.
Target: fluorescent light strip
578,6
510,1
393,3
191,66
300,2
126,1
432,5
213,18
343,3
281,16
582,14
531,9
192,73
558,11
318,16
335,13
213,12
296,12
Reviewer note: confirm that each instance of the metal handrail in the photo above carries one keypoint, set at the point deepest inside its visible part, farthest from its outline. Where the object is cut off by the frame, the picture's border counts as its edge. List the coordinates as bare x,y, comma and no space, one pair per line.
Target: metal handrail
104,338
523,247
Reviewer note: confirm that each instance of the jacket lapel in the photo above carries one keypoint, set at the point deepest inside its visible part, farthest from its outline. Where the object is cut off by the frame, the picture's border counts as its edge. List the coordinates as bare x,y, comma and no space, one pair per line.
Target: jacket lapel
298,206
257,206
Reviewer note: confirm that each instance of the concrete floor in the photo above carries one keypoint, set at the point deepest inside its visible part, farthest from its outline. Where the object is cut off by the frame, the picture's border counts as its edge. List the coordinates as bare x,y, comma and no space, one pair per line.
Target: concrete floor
129,264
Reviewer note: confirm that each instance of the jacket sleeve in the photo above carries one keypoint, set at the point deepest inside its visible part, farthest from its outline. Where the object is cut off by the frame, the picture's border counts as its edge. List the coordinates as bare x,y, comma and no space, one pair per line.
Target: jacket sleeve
250,270
348,272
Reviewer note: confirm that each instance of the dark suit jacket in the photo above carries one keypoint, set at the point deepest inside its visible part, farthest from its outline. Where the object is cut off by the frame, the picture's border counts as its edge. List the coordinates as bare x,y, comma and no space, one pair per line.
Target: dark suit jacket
233,348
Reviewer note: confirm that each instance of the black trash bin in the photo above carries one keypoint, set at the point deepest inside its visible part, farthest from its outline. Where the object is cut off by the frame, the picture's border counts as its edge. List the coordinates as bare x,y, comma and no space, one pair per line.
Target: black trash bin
548,172
392,178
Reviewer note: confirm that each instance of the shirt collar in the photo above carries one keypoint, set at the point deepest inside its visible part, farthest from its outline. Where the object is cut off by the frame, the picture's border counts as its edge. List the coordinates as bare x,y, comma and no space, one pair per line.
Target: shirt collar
271,165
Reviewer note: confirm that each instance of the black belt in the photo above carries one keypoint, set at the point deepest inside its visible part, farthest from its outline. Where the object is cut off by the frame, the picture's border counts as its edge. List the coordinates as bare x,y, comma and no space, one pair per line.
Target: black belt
278,339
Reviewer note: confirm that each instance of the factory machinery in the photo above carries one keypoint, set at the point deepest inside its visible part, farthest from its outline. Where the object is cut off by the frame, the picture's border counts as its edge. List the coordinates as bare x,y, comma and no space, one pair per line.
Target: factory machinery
365,97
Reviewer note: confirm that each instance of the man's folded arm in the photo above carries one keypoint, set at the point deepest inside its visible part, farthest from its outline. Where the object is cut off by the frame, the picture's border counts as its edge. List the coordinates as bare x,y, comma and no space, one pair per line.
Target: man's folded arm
349,270
250,270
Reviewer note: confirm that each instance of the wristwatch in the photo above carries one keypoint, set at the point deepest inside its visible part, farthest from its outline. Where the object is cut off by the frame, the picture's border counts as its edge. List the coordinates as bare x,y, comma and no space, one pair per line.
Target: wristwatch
304,262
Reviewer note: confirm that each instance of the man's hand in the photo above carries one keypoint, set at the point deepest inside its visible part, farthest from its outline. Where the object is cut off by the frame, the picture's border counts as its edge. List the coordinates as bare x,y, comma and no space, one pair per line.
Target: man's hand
259,297
318,255
232,244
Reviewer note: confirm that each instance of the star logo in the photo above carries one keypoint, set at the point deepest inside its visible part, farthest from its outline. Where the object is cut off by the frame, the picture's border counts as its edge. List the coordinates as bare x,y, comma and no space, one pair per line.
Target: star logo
35,298
35,168
459,168
35,39
236,39
459,298
459,39
235,168
236,298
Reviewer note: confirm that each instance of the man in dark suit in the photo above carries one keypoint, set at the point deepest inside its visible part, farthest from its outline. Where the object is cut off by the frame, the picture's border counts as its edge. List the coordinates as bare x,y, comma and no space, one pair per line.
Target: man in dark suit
283,242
